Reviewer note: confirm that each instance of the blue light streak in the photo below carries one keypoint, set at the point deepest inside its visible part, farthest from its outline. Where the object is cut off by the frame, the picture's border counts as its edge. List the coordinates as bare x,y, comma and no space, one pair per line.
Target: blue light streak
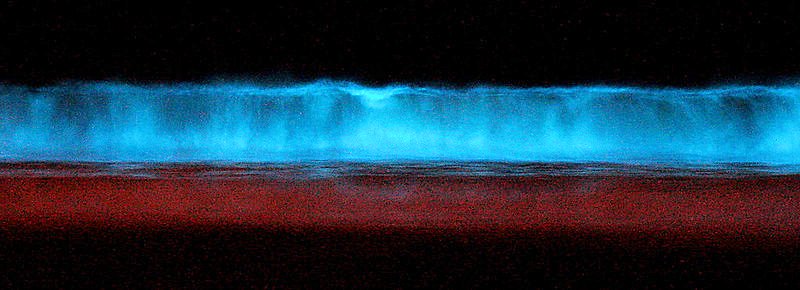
327,120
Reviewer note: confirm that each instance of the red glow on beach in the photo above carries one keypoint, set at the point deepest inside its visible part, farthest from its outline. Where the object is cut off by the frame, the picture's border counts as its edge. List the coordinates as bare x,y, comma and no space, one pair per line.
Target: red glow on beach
760,206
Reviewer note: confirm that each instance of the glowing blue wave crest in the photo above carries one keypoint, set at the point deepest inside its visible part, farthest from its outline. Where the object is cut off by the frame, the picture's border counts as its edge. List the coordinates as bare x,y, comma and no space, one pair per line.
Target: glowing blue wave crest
329,120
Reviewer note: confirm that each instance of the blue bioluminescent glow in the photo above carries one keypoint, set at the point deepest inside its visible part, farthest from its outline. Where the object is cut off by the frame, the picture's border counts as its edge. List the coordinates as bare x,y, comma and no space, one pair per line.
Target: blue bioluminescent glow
329,120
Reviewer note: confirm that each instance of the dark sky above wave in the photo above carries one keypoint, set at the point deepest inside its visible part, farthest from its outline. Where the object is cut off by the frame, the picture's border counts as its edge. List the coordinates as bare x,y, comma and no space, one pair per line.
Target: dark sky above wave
698,43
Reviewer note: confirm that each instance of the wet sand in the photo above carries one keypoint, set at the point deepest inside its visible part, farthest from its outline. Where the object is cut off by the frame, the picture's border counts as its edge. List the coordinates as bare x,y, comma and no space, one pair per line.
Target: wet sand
396,230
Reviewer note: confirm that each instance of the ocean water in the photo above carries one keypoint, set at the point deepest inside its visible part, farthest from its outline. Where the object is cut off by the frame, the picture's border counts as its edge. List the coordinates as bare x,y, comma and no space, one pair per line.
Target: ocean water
328,121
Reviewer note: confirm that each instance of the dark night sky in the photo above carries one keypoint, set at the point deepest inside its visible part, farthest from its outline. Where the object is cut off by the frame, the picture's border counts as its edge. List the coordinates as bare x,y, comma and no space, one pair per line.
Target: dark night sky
522,43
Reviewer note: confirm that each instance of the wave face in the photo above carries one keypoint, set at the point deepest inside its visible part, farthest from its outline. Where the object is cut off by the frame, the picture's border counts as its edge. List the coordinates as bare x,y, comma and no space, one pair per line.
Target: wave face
329,120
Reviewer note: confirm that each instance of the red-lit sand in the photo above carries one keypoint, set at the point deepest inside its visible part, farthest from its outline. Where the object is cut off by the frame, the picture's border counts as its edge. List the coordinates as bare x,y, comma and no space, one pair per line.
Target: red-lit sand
764,206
